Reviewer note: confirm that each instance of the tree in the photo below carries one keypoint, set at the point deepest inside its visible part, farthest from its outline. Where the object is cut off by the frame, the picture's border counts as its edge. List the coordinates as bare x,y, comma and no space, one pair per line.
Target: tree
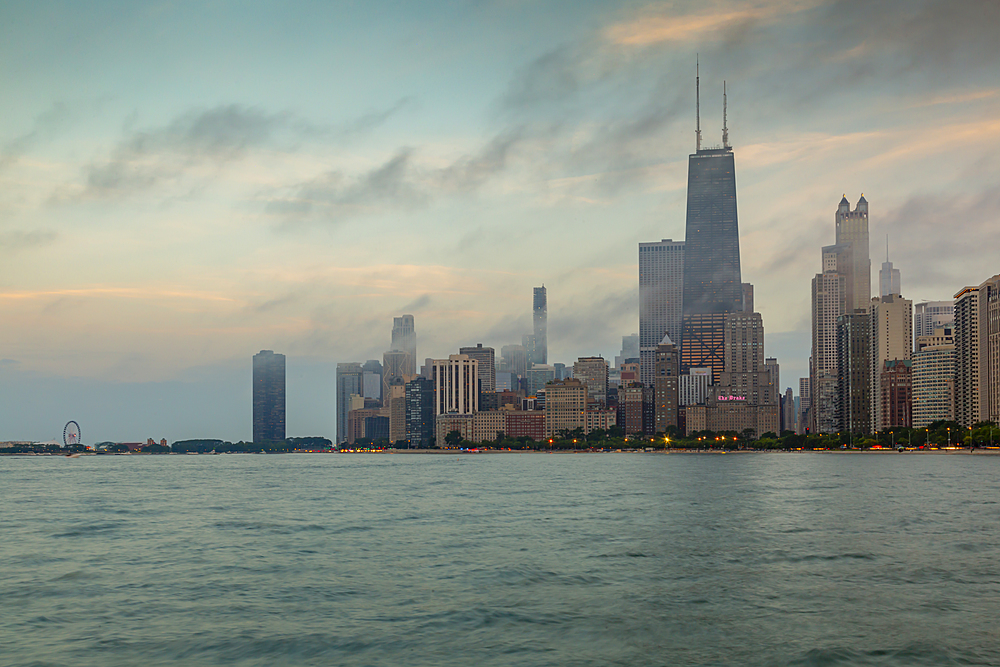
453,439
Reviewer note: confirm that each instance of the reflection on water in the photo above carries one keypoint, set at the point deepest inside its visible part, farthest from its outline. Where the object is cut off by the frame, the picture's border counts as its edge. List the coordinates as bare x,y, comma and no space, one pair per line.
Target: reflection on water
520,559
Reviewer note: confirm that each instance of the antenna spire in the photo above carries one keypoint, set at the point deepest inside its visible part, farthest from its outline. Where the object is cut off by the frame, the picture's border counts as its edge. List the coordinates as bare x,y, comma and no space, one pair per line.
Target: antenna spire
887,247
697,102
725,126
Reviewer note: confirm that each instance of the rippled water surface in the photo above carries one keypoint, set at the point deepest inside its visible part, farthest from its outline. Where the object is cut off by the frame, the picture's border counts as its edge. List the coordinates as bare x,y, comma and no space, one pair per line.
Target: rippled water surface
514,559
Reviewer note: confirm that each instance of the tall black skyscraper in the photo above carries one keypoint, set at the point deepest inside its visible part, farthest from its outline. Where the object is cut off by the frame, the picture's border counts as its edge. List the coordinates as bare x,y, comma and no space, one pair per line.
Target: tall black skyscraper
712,285
268,397
539,354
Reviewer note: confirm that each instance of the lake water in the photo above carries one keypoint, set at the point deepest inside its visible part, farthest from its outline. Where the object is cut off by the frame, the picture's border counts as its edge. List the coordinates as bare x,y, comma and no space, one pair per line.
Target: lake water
514,559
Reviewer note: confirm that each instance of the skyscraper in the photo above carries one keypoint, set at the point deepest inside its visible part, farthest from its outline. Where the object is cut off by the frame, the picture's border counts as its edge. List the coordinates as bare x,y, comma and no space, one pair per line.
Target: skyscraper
934,378
404,337
931,315
661,295
666,386
888,277
456,385
977,353
712,284
853,403
843,286
350,382
852,228
540,318
828,299
268,397
487,365
593,371
891,319
420,412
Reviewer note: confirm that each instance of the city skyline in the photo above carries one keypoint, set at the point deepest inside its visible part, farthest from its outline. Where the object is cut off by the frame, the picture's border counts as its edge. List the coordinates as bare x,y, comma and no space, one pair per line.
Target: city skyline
156,236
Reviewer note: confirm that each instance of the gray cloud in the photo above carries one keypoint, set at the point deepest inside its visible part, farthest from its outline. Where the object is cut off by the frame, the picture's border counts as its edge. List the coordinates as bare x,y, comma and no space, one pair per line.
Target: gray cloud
45,124
397,184
552,77
928,251
217,136
15,240
334,197
417,304
373,119
147,157
596,325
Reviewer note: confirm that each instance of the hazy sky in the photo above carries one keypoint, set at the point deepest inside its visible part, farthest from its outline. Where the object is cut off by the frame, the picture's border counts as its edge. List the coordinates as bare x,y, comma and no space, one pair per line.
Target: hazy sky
183,184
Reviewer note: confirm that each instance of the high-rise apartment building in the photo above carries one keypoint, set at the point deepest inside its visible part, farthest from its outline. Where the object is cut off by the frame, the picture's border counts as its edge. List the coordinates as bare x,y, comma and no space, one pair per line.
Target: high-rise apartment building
853,400
891,319
487,365
991,344
896,385
661,297
977,353
350,382
268,397
593,371
456,385
666,386
931,315
565,406
420,412
404,337
829,296
934,378
540,321
805,404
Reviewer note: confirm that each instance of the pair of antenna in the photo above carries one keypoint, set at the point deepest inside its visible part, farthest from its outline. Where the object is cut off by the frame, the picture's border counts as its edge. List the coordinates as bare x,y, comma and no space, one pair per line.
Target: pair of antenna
697,106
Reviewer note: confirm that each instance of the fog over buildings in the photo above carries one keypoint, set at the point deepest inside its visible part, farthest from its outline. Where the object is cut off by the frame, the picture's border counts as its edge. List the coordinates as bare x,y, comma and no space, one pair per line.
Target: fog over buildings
183,186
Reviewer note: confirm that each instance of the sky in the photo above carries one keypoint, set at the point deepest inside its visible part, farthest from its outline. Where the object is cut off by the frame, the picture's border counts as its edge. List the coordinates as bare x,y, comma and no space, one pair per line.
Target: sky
183,184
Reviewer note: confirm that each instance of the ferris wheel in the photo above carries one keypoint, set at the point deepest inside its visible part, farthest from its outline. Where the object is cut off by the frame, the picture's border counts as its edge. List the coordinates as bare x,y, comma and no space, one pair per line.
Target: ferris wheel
71,434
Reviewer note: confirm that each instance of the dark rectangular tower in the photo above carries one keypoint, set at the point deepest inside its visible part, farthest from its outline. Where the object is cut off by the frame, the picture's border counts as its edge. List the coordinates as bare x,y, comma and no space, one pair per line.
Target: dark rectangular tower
268,397
712,284
540,319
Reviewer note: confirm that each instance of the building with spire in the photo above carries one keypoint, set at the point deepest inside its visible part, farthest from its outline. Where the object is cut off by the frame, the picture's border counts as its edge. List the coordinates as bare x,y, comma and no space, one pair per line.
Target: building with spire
888,277
843,287
712,286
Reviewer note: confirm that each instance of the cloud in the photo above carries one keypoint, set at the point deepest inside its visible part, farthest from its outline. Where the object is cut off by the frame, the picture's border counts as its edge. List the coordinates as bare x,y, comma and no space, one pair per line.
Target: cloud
45,124
335,197
373,119
400,183
418,304
552,77
217,136
926,248
16,240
